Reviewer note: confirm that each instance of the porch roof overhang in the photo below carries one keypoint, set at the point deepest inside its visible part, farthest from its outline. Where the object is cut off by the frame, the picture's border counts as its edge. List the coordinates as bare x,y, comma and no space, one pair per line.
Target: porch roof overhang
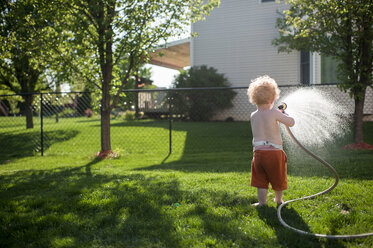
174,55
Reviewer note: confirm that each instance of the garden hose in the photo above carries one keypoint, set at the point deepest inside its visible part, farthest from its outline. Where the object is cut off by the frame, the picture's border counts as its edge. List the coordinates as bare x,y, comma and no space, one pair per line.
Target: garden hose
312,196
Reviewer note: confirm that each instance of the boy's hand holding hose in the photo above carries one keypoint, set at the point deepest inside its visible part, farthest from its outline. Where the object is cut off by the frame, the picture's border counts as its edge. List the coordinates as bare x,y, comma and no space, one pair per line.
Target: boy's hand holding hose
282,107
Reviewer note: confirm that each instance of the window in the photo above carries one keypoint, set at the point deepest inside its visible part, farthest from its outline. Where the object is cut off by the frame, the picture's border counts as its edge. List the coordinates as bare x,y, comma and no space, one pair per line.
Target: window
305,67
329,67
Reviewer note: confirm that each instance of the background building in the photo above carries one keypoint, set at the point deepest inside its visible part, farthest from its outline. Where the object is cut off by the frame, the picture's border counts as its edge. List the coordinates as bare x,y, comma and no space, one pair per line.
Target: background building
237,40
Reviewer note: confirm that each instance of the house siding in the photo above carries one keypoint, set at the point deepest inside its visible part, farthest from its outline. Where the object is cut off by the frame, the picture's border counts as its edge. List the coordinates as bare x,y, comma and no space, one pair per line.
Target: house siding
236,40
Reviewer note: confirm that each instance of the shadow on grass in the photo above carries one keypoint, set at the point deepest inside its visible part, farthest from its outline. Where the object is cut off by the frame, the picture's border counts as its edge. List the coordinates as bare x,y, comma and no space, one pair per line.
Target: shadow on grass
78,208
14,146
289,238
75,208
221,228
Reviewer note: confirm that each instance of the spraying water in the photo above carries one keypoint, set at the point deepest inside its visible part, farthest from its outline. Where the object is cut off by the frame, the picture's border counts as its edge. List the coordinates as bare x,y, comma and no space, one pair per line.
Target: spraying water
318,118
313,111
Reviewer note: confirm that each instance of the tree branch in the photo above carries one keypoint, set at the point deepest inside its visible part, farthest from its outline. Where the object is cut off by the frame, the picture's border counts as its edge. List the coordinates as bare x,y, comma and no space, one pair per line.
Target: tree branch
124,81
82,9
6,82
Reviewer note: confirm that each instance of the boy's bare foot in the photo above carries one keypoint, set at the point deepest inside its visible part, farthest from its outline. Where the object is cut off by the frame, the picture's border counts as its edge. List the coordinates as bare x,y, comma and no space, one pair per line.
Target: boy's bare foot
258,204
278,202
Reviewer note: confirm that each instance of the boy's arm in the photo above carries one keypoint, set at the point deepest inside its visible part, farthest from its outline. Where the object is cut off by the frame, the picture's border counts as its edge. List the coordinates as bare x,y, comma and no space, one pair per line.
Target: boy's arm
284,118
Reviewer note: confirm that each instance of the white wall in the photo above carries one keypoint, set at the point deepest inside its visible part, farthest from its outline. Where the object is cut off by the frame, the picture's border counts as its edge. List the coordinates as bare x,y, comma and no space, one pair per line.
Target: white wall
236,39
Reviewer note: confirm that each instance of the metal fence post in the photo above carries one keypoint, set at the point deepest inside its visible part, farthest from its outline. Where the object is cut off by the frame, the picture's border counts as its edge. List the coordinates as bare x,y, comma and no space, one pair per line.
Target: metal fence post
170,124
41,125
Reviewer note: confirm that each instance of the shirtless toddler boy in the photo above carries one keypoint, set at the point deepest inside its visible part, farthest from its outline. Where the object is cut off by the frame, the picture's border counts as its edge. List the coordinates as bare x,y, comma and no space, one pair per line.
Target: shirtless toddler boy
269,160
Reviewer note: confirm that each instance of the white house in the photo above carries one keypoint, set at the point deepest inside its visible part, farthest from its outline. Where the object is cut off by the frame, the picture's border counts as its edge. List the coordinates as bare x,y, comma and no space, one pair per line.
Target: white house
236,39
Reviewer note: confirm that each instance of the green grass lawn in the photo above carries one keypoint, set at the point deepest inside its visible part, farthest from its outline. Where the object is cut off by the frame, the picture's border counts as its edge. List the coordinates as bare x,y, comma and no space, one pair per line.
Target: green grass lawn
199,196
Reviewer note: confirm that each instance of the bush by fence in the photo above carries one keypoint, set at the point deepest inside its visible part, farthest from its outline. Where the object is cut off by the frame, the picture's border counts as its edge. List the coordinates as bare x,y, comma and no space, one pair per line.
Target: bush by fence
152,121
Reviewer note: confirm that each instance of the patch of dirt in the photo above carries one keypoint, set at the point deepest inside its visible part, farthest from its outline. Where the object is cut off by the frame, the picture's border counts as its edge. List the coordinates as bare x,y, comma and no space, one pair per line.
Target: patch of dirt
107,154
358,146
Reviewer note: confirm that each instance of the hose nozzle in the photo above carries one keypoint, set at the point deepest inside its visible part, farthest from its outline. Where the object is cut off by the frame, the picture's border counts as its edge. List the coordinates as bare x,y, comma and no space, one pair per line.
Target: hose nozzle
282,107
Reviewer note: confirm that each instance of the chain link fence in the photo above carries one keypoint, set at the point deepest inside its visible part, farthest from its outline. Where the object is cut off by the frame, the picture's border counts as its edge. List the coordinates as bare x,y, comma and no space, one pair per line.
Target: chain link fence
145,121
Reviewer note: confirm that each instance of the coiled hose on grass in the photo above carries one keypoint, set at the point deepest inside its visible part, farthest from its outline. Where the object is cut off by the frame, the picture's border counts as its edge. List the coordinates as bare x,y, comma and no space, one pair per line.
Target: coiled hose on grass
326,164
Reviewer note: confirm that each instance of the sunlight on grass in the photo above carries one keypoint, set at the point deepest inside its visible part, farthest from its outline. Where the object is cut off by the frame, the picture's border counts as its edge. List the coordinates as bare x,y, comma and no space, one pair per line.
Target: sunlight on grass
63,242
199,196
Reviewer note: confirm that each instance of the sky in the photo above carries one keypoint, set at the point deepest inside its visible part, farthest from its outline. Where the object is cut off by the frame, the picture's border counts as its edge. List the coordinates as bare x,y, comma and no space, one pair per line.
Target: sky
161,76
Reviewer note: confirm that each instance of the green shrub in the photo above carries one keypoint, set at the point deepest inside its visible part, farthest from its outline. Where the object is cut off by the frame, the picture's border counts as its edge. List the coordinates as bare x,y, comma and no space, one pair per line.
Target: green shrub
130,115
204,104
68,112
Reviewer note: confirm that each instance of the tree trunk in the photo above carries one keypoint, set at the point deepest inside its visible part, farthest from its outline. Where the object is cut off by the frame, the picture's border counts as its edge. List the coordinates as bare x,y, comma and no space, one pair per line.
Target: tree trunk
105,119
28,111
365,75
137,95
358,118
27,76
104,16
105,131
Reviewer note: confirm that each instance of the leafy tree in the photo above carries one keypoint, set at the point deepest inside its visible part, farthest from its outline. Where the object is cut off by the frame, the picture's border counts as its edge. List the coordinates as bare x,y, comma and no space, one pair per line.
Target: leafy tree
338,28
201,105
24,54
121,34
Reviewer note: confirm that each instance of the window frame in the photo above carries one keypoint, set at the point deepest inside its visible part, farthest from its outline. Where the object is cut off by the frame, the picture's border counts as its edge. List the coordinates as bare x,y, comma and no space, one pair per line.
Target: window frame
266,1
305,67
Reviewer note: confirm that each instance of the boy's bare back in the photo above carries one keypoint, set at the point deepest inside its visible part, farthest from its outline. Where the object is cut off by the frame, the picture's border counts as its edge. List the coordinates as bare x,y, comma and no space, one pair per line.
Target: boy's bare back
265,124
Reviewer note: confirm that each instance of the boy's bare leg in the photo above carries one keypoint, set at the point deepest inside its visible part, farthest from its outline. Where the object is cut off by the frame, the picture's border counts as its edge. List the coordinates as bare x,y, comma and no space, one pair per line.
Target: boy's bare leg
262,196
278,197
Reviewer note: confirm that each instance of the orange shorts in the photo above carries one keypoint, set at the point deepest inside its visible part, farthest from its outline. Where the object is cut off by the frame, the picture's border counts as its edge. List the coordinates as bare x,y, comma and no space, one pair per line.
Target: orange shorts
269,166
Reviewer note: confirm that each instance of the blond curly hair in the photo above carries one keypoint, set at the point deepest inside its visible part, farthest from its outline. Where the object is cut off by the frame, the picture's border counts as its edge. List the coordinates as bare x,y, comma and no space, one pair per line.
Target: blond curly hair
263,90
